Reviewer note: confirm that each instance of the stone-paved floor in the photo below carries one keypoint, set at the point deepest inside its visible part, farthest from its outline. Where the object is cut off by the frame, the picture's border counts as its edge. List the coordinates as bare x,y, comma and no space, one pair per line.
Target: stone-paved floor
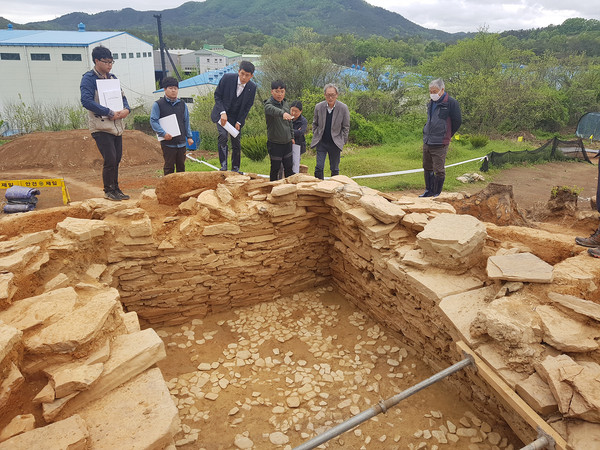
276,374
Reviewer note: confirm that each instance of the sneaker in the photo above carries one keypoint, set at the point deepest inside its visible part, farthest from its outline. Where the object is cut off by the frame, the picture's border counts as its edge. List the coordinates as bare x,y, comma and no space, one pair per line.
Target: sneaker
112,195
595,252
592,241
120,193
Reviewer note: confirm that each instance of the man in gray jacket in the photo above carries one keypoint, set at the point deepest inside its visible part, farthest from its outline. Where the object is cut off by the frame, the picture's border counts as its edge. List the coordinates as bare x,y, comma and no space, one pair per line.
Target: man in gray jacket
331,125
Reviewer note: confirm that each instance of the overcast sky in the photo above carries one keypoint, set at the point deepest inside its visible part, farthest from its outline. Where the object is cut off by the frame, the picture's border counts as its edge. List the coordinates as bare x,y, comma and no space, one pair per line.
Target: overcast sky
449,15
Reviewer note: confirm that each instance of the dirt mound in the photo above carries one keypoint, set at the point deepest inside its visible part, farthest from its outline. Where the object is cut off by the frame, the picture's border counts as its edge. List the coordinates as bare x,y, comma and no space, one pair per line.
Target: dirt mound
74,149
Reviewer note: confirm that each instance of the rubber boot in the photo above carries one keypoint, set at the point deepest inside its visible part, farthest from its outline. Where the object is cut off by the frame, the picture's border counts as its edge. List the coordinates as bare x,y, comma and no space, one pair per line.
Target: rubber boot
223,157
438,184
429,178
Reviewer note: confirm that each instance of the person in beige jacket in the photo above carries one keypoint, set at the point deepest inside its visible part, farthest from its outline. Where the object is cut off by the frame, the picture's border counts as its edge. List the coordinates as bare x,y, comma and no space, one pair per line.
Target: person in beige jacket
106,125
331,125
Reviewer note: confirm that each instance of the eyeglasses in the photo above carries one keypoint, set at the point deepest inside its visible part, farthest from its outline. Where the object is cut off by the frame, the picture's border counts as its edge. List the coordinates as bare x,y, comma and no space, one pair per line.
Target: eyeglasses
106,62
331,95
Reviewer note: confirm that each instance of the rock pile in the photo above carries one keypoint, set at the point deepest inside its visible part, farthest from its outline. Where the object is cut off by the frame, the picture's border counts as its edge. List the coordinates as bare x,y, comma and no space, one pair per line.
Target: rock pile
238,240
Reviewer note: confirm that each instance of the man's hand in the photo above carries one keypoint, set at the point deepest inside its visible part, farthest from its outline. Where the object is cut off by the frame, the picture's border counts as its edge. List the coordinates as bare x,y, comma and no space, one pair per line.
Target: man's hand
121,114
287,116
168,137
190,142
223,119
238,126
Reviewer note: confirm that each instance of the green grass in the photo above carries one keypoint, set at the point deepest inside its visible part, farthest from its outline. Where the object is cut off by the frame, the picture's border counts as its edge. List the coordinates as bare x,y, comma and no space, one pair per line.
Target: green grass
404,155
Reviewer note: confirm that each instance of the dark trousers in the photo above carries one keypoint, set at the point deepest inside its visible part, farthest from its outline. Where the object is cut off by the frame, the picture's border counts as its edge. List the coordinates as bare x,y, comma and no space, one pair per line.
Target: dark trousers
434,159
280,154
174,158
111,149
324,149
236,149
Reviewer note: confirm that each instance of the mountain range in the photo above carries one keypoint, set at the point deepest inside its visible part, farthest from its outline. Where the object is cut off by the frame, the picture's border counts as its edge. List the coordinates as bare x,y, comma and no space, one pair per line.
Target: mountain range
213,18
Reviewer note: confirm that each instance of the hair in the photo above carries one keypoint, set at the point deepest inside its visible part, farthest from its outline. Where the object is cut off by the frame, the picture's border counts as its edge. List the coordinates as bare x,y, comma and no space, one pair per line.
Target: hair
169,81
438,83
247,66
330,85
101,52
296,104
277,84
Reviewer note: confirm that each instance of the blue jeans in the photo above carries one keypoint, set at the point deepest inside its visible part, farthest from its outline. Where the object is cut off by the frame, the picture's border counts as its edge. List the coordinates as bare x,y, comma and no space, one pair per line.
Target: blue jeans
324,149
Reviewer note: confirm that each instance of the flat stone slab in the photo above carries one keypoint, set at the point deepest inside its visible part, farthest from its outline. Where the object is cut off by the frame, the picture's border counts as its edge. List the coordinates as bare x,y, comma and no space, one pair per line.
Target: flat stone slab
382,209
7,287
82,229
18,425
519,267
18,260
537,394
579,305
565,333
437,285
461,309
72,378
74,330
70,433
140,414
131,354
453,240
33,311
10,337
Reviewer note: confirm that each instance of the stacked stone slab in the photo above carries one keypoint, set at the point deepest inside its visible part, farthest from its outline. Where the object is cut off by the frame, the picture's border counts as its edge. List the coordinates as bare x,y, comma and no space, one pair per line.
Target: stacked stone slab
78,338
190,249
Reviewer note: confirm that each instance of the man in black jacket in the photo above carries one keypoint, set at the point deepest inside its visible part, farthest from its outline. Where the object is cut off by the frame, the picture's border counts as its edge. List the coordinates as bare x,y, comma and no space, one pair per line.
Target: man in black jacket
443,120
234,97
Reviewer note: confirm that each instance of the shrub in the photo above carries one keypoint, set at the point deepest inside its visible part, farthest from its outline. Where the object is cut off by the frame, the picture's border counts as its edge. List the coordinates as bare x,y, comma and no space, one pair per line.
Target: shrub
255,147
478,141
363,132
141,122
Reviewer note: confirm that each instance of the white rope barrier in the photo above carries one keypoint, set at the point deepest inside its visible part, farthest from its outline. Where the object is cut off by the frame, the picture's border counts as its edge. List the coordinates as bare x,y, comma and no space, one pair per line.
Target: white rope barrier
375,175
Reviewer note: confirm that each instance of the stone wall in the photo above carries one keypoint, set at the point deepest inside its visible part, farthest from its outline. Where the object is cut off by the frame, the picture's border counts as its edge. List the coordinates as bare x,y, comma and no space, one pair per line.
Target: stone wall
201,244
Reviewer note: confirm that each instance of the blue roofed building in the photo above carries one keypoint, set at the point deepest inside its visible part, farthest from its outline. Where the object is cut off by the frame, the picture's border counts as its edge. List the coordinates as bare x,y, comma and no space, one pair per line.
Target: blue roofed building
45,67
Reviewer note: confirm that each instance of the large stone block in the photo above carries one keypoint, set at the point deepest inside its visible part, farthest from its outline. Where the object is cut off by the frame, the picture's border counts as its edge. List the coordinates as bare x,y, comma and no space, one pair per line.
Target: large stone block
140,414
453,241
71,434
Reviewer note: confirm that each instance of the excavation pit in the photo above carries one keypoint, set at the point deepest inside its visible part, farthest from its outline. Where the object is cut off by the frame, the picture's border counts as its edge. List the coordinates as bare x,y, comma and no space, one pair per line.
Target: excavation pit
74,281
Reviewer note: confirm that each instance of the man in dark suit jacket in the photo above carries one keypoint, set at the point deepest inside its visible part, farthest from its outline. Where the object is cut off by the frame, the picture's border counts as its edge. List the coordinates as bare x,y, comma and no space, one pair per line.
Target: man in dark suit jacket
234,97
331,125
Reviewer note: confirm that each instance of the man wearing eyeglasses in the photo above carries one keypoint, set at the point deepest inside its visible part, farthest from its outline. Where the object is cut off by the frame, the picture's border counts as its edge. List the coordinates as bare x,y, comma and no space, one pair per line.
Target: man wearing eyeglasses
105,125
331,125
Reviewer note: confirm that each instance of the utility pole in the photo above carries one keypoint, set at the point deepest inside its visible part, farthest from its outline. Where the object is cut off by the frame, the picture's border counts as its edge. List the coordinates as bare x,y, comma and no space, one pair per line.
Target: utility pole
163,50
161,45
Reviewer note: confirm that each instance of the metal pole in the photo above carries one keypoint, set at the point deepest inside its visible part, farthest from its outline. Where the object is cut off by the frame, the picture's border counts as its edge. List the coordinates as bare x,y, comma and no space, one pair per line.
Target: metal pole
538,444
382,406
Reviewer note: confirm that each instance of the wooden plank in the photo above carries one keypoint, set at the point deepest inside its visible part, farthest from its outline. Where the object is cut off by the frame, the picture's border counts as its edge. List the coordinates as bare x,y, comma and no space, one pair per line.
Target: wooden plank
511,399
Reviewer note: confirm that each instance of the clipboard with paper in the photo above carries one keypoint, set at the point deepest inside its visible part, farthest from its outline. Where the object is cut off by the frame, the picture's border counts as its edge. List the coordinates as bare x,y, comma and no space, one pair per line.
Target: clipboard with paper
109,94
170,125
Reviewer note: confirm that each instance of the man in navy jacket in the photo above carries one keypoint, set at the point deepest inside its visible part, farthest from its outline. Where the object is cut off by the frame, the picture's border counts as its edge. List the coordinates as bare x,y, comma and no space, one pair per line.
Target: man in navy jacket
234,97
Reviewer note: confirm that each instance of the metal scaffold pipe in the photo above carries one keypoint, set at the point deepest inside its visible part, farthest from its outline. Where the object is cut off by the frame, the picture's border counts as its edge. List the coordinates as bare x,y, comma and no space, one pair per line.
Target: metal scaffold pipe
538,444
382,406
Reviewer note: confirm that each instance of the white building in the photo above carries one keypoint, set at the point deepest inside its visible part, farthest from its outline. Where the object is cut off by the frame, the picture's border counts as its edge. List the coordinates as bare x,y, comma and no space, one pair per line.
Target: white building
208,58
45,67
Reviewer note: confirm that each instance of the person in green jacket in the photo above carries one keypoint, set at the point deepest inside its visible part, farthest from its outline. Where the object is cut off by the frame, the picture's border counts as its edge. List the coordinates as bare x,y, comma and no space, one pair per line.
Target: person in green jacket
280,133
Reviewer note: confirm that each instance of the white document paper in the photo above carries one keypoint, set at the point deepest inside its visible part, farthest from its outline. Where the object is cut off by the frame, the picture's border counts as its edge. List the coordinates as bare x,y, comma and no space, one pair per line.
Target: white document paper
170,125
109,94
231,129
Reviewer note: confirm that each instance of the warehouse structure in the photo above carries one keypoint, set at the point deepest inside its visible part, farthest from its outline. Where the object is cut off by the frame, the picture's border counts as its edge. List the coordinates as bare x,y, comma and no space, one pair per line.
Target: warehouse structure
44,67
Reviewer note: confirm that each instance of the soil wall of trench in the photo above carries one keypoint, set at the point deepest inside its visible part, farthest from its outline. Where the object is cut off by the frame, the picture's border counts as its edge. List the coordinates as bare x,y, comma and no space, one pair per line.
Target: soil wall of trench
204,243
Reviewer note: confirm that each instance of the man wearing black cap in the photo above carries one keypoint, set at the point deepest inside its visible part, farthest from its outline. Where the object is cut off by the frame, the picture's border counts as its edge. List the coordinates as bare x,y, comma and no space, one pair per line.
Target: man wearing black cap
173,147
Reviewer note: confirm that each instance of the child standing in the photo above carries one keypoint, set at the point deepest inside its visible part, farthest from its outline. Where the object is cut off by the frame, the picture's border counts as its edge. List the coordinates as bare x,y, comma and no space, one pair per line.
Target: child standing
300,124
173,147
280,134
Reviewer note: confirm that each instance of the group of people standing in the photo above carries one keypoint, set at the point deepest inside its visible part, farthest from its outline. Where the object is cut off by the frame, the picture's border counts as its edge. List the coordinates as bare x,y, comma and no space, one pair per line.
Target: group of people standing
286,126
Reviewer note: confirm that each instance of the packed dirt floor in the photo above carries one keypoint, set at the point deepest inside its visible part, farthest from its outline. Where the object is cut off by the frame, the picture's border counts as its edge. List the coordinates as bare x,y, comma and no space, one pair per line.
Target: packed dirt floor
317,332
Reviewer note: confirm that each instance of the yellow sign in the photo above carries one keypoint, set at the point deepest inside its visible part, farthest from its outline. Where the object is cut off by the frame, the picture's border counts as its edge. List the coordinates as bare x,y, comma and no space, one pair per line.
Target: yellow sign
457,137
520,139
39,183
